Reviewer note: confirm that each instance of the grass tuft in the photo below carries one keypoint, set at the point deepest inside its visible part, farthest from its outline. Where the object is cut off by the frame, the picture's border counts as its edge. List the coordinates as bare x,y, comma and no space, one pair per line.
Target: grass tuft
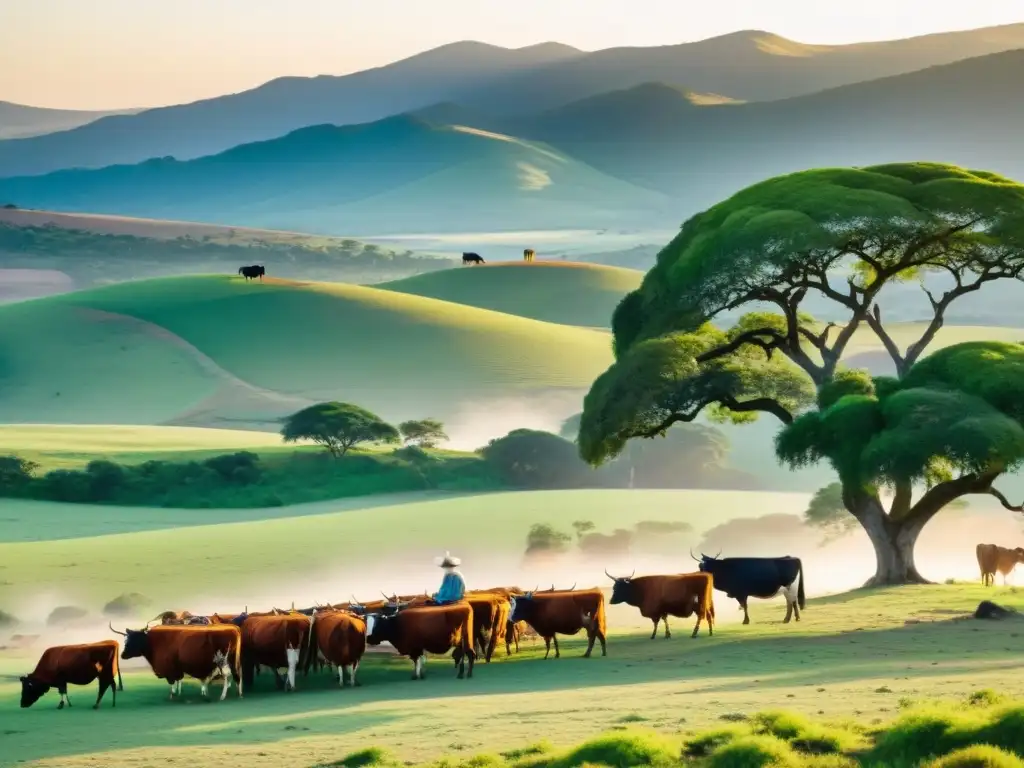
755,751
621,750
978,756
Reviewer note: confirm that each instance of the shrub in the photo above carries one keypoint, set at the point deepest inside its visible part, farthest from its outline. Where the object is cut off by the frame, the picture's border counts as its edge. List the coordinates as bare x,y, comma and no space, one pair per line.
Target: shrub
65,614
66,485
15,475
755,752
242,468
7,621
705,743
413,454
545,538
105,479
128,604
362,758
978,756
621,750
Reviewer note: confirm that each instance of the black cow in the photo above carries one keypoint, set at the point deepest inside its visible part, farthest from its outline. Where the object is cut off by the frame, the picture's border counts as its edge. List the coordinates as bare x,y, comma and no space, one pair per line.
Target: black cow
762,577
472,258
251,273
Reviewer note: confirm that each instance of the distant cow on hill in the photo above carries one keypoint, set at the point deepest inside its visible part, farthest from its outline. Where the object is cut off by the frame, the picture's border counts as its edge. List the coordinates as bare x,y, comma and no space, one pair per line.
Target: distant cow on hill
528,255
992,558
252,272
472,258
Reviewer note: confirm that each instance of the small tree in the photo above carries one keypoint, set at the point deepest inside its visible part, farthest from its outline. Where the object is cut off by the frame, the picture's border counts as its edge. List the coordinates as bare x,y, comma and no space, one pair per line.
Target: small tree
426,433
531,459
827,512
15,475
545,538
338,427
582,527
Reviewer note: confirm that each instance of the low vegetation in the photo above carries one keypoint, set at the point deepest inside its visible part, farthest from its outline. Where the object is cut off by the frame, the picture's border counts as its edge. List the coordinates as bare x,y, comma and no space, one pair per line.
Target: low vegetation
984,731
95,257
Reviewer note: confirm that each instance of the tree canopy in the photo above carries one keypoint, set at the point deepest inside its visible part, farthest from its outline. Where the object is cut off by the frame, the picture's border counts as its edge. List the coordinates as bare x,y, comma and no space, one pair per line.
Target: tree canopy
950,423
338,427
426,433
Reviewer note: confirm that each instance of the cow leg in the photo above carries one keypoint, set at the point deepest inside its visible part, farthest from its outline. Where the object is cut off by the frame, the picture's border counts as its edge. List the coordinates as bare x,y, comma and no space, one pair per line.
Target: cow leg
746,615
654,632
352,674
104,684
472,660
668,633
547,646
554,639
789,609
293,660
341,675
63,691
278,680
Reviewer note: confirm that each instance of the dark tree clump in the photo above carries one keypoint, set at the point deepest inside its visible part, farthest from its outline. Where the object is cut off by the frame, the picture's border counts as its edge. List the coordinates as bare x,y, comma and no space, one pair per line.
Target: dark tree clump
338,427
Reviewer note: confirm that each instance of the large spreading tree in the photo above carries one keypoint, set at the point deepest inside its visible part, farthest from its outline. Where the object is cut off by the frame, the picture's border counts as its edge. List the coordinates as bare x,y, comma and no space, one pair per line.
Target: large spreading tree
944,426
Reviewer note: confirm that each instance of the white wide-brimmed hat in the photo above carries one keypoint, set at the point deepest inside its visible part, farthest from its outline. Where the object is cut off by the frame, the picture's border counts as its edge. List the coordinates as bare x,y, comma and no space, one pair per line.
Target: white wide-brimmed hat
448,561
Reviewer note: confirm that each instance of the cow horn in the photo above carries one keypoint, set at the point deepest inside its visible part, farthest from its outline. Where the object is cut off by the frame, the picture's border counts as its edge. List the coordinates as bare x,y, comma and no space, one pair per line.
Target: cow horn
609,575
572,587
633,573
393,598
719,553
122,634
696,559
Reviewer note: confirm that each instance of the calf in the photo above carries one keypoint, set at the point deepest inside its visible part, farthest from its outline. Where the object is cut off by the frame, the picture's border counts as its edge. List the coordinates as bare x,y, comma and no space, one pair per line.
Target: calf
763,577
278,642
340,639
659,597
992,558
65,665
177,652
563,613
416,631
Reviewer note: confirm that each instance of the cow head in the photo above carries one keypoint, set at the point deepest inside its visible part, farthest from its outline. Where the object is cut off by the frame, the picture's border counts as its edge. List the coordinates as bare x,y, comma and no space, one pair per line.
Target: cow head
136,642
706,564
521,607
31,690
623,590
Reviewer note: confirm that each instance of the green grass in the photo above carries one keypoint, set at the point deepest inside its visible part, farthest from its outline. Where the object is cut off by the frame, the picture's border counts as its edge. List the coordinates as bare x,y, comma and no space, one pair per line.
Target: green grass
556,292
71,446
220,351
851,678
215,547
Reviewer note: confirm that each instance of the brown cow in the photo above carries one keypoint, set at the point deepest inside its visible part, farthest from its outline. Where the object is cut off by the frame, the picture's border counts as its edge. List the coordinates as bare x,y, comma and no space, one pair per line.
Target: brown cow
278,642
490,621
659,597
992,558
563,613
202,653
514,631
65,665
340,639
416,631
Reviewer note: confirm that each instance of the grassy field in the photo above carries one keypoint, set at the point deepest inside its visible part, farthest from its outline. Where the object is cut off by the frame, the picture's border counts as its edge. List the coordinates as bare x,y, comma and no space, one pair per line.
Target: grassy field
71,446
299,549
570,293
858,655
220,351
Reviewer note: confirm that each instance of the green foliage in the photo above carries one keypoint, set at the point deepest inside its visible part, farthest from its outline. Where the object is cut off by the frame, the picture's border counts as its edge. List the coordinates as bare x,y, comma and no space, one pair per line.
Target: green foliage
545,538
528,458
243,479
978,756
755,752
363,758
128,605
338,427
582,527
426,433
15,475
827,511
625,749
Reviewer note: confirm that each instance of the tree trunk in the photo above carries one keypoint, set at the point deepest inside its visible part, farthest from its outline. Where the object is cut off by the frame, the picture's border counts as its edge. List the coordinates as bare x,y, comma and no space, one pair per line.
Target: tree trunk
893,542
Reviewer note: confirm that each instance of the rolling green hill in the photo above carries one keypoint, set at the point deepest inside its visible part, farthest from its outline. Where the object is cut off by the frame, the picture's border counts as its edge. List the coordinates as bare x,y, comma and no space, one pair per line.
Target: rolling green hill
396,175
569,293
218,351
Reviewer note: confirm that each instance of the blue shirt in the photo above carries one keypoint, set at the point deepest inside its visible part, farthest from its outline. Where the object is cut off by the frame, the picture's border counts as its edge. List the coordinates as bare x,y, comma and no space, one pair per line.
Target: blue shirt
453,587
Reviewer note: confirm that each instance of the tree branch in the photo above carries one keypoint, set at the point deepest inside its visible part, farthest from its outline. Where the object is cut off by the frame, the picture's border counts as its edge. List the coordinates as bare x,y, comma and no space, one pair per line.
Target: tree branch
776,341
1004,502
874,321
763,404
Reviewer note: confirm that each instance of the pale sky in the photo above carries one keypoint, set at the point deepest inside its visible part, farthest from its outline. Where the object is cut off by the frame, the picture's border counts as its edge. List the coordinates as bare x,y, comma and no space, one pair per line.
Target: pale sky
104,54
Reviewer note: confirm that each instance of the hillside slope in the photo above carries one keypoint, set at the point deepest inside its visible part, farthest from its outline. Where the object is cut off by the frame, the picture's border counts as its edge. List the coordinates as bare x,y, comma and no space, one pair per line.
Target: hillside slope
396,175
554,291
745,65
18,121
218,351
970,113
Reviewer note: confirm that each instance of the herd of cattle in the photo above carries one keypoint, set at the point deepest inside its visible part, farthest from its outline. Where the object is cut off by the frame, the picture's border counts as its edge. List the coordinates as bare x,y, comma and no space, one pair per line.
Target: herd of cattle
234,647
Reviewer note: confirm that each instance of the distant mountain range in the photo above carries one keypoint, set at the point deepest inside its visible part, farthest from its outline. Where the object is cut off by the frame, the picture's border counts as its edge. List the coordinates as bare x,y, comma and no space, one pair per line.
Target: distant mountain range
20,121
494,81
646,156
398,175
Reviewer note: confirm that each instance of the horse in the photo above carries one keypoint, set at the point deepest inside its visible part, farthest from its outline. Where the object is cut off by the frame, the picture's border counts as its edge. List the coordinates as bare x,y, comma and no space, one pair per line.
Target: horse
251,273
472,258
528,255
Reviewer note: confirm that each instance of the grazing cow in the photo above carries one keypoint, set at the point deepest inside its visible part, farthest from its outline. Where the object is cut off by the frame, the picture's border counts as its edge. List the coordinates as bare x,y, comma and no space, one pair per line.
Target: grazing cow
416,631
659,597
472,258
201,653
762,577
992,558
65,665
528,255
278,642
252,272
563,613
340,639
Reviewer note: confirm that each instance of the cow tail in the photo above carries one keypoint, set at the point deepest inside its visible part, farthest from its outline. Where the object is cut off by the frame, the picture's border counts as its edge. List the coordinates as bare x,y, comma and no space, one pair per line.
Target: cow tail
800,586
311,646
600,620
237,671
709,600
